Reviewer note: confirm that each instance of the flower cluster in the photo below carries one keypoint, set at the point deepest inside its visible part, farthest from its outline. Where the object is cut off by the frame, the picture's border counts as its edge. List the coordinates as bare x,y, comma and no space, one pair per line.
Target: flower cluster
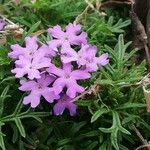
45,76
2,24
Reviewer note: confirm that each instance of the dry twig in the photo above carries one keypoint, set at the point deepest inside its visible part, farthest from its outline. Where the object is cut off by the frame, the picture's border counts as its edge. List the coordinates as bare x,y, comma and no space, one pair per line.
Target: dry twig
140,33
113,3
89,6
142,146
144,142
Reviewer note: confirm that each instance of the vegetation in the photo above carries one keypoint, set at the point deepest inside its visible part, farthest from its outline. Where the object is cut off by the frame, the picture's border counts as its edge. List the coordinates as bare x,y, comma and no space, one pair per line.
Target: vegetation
108,115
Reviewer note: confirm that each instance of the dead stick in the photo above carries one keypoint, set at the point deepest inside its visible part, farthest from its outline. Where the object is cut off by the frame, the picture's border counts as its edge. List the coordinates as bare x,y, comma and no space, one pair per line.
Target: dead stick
77,19
142,146
141,33
144,142
115,3
147,54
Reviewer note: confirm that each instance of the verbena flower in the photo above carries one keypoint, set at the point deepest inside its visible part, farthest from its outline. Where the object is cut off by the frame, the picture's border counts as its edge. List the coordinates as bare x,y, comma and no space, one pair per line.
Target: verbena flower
2,24
37,89
31,67
37,62
72,35
31,46
67,77
49,53
86,57
64,103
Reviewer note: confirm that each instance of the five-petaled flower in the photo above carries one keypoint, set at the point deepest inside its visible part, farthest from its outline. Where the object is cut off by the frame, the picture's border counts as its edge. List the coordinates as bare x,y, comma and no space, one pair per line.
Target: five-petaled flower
37,89
67,77
31,67
86,57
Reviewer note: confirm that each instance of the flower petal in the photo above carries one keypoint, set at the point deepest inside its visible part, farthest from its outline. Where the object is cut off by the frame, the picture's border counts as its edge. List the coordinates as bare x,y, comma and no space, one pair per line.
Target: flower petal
49,95
34,99
80,74
27,86
31,43
56,32
103,59
72,108
58,108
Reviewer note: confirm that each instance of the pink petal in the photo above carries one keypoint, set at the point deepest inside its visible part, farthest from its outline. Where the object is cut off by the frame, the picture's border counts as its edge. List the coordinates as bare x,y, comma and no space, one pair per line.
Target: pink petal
49,95
27,86
56,32
58,108
80,74
56,71
72,108
31,43
34,99
33,73
103,59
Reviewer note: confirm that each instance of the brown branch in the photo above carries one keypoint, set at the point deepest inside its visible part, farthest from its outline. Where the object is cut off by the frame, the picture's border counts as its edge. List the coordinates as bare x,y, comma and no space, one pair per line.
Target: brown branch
115,3
77,19
88,7
140,33
143,141
142,146
93,90
93,8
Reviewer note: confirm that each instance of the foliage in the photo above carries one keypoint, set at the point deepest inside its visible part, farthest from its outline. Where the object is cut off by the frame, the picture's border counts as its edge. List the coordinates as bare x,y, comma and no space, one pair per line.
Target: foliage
104,121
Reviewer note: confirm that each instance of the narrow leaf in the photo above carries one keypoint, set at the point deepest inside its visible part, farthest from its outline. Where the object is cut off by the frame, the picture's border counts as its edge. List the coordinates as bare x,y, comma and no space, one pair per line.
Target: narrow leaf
99,113
20,127
33,28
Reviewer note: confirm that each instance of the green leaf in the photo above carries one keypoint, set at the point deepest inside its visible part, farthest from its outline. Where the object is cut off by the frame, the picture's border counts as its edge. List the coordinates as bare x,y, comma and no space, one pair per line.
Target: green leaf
91,133
107,130
63,142
117,28
114,129
4,60
20,127
123,130
105,82
19,106
84,102
131,105
8,79
92,145
2,144
114,139
33,28
77,126
21,147
99,113
15,133
2,98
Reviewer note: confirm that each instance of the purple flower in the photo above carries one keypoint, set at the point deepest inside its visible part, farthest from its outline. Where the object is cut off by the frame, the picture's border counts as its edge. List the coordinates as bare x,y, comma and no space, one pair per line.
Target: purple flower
28,51
72,36
49,53
86,57
103,60
64,103
36,62
31,67
37,89
2,24
67,77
